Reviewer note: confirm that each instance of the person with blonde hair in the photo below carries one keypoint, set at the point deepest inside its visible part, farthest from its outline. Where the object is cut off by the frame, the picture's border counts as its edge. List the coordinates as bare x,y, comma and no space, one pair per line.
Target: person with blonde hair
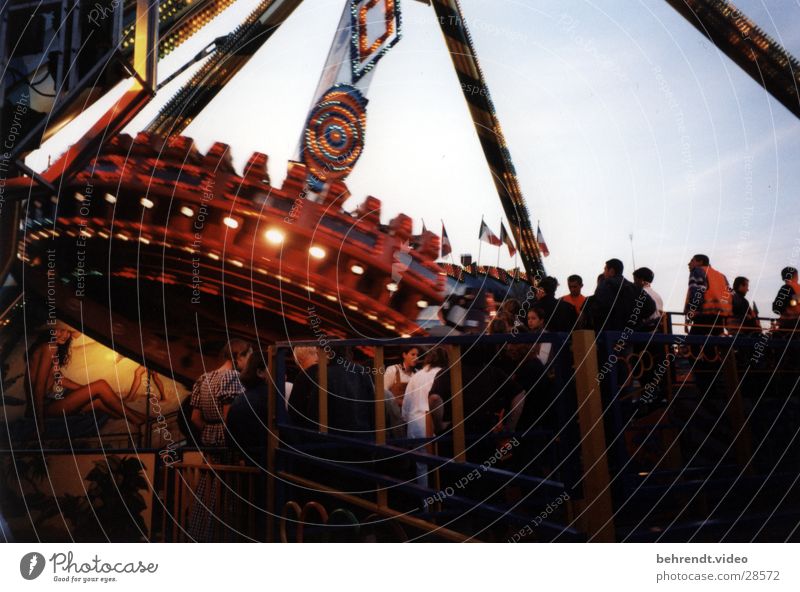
211,399
305,356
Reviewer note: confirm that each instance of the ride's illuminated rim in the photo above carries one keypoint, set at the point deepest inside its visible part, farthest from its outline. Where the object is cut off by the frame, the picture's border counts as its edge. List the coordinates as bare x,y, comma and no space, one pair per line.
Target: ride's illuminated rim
335,133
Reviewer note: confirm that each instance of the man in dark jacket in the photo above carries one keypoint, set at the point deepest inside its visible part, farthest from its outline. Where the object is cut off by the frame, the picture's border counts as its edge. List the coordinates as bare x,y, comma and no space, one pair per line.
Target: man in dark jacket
787,305
787,302
351,398
620,304
559,316
745,318
487,392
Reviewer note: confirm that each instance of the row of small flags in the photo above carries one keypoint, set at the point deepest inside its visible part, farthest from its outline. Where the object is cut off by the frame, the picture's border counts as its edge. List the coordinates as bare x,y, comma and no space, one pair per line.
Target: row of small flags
487,236
446,247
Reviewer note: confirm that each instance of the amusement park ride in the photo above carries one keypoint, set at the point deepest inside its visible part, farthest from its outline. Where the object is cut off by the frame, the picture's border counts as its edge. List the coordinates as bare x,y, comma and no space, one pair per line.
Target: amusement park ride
156,242
158,253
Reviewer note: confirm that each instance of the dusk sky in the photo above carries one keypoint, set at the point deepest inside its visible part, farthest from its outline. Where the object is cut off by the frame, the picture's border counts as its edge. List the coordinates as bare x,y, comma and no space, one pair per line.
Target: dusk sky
620,117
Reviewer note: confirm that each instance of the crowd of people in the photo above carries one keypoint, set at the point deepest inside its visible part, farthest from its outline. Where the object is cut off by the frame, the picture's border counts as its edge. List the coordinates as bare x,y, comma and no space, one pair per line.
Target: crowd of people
712,306
506,387
231,400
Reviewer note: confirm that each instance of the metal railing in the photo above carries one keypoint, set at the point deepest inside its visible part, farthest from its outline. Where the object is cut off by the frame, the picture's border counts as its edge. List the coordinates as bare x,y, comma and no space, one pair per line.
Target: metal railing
675,323
701,434
236,511
306,460
652,436
604,465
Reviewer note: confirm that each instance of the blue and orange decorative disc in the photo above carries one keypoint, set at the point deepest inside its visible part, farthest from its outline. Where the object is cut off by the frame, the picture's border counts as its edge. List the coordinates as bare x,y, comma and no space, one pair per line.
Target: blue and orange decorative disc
334,136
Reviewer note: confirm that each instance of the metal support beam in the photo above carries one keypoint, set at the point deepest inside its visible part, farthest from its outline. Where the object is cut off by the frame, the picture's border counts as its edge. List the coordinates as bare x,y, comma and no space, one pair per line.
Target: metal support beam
755,52
126,108
490,134
108,125
145,56
220,68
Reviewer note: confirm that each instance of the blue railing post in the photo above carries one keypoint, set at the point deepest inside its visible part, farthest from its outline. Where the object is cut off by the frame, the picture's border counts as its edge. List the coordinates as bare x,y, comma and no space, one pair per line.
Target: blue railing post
610,374
381,496
380,397
567,437
322,378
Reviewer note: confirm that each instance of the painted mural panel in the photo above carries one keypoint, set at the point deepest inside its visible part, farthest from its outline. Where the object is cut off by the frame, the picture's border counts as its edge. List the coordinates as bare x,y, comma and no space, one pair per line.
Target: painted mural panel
59,384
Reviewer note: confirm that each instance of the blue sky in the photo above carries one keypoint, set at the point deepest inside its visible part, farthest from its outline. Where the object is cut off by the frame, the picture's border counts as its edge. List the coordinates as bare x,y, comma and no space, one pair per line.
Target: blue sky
620,117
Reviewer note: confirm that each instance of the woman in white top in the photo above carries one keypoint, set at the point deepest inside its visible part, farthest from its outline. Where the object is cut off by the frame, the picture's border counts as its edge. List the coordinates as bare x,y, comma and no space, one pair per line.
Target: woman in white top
540,350
415,402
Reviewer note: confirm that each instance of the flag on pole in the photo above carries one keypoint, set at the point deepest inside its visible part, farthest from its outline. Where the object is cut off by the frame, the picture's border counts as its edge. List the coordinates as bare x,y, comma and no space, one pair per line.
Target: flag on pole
506,239
542,245
488,236
447,248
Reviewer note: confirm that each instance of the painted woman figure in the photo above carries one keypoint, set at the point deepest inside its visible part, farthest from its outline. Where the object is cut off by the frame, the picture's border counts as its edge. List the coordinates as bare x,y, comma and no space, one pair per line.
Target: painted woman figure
52,394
